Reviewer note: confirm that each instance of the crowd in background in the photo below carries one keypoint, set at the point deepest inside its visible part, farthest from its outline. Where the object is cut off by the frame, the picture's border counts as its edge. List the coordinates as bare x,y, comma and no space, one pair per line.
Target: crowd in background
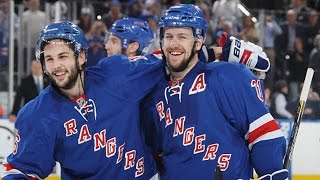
289,35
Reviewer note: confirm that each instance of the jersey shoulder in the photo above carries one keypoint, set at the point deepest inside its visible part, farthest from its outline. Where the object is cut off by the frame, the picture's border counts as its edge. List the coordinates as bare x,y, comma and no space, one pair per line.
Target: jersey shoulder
230,70
121,65
38,109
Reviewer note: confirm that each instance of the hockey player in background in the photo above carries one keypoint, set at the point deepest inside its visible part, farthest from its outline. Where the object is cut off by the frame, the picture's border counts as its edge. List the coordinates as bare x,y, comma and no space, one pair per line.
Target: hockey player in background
207,116
129,36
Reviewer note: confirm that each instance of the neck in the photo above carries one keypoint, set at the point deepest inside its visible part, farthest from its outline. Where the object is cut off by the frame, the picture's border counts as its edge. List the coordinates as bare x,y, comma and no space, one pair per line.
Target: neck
76,90
180,75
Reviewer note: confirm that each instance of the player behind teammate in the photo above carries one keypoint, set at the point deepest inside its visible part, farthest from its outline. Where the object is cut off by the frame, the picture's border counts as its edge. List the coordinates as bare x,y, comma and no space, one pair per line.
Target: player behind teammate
129,36
208,115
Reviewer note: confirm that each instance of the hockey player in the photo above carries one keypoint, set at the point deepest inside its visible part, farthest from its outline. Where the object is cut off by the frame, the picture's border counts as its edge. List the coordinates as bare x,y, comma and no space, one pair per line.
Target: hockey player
87,119
208,116
129,36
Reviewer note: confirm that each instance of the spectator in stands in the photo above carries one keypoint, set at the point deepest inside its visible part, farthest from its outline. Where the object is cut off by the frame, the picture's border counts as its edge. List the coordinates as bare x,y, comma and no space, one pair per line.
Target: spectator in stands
301,9
311,110
152,8
33,20
210,37
85,21
227,9
4,21
249,32
291,29
314,62
4,41
269,29
311,30
113,14
223,26
279,101
30,87
297,66
96,36
4,56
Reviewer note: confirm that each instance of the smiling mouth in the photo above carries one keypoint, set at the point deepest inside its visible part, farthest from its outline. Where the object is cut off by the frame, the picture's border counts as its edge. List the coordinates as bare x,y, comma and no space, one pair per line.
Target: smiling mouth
174,53
60,75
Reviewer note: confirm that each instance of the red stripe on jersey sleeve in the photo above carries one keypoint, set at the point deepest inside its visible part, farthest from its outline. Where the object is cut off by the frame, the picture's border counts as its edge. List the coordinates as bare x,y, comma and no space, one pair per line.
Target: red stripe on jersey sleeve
8,167
34,178
262,130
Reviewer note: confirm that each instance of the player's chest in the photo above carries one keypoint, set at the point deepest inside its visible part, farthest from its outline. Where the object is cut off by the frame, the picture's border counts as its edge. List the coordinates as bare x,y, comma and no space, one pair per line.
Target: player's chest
184,93
94,117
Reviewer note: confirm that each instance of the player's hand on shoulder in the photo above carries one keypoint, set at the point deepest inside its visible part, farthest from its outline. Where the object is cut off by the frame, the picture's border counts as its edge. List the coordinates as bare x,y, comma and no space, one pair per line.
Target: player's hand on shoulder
235,50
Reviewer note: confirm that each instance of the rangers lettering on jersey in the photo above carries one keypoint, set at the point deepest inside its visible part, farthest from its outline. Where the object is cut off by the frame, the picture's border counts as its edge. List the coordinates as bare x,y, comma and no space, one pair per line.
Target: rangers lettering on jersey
209,152
189,137
110,145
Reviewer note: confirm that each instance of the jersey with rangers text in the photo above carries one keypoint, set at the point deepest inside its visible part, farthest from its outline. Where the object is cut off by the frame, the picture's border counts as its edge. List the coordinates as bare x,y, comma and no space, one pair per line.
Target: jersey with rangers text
215,116
96,137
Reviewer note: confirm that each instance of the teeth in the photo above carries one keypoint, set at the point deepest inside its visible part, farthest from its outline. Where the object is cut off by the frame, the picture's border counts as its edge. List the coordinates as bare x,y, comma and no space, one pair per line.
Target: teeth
176,53
59,73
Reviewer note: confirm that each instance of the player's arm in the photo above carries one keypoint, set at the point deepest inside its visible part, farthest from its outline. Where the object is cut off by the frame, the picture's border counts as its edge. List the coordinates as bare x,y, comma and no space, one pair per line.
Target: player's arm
132,77
249,115
32,155
232,49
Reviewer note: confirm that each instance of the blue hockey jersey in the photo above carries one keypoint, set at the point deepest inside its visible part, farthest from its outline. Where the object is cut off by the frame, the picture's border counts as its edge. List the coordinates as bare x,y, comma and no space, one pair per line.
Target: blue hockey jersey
97,137
215,116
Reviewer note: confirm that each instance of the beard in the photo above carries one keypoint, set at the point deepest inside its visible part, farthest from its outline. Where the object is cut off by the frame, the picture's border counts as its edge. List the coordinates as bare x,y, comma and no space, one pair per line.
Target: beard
183,64
71,80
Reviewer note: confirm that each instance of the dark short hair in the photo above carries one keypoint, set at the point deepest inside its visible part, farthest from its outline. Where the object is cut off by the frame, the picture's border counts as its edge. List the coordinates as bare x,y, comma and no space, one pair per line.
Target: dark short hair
280,84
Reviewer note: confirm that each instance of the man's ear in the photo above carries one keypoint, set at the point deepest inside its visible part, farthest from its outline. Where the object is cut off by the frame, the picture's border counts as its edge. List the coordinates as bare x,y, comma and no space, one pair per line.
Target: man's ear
132,48
82,58
199,43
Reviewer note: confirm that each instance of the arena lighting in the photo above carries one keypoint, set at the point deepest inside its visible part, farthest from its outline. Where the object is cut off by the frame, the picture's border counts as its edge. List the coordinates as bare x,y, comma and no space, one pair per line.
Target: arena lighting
243,10
246,12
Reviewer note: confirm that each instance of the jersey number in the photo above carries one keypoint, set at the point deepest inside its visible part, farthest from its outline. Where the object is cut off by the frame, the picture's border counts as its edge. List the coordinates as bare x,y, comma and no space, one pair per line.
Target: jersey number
257,85
236,50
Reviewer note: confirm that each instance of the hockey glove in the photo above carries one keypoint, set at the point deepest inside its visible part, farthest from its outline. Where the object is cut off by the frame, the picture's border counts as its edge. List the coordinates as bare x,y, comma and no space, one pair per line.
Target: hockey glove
247,53
277,175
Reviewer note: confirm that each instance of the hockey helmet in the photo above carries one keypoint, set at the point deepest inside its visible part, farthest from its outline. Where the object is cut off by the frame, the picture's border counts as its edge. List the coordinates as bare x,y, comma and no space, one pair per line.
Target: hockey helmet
62,30
184,15
133,30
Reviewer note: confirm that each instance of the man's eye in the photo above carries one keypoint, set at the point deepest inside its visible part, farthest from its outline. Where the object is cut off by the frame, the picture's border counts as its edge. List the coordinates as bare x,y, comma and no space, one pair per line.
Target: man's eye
63,57
114,41
48,59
